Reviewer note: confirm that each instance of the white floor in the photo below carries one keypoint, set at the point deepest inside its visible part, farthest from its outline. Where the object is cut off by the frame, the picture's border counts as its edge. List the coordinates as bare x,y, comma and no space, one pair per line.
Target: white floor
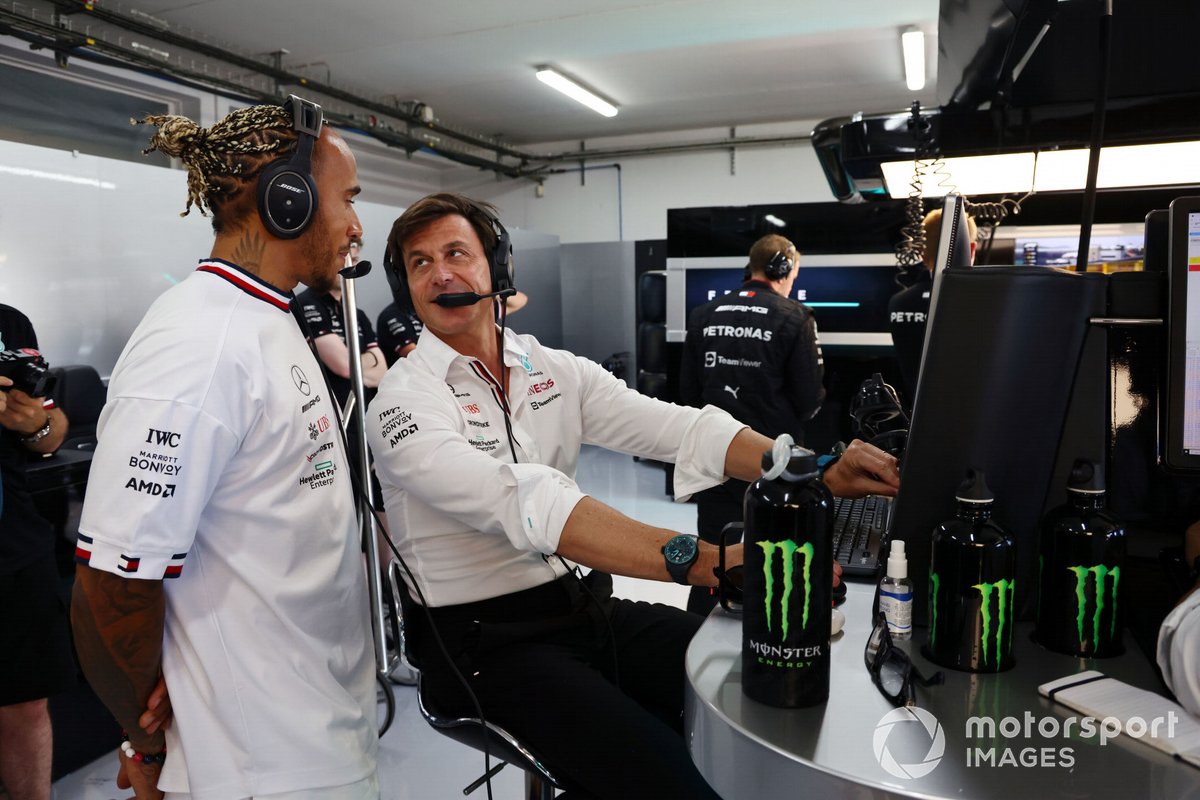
416,763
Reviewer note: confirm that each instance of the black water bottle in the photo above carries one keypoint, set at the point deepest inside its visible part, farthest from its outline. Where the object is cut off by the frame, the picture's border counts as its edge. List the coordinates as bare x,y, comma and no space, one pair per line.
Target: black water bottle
972,580
1080,556
788,581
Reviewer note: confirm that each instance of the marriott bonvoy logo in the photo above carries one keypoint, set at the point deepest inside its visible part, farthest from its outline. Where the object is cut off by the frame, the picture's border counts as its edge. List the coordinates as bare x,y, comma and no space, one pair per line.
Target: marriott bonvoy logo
903,734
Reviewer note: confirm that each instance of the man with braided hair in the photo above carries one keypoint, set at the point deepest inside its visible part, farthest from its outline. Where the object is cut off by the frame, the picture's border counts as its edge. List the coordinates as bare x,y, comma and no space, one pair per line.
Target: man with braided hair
218,467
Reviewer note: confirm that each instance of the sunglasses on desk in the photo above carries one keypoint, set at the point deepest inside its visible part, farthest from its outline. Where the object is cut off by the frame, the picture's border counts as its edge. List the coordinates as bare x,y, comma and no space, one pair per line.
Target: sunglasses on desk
892,671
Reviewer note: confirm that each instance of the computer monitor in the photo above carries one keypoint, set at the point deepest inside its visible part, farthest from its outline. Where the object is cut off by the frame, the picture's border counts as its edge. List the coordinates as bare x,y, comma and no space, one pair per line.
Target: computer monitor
848,293
954,250
1181,449
1003,352
844,299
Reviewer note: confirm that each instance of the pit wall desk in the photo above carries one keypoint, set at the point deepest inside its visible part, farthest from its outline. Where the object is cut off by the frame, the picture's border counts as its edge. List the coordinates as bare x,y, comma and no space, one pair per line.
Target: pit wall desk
749,751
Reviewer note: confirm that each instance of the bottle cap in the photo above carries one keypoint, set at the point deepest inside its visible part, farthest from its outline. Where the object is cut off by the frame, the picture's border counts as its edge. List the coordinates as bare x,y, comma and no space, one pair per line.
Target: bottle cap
789,461
897,564
1087,477
974,488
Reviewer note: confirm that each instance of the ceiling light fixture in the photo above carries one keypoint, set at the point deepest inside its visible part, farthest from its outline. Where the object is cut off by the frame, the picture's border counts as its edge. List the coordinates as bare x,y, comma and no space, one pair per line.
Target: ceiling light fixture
575,90
912,42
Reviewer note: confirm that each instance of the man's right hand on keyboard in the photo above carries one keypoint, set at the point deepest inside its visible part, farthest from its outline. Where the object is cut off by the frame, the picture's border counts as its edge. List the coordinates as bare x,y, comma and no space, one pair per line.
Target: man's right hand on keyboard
863,469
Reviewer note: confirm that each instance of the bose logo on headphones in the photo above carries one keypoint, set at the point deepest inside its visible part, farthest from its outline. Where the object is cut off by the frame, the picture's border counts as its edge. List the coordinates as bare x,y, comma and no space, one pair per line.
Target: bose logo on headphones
291,188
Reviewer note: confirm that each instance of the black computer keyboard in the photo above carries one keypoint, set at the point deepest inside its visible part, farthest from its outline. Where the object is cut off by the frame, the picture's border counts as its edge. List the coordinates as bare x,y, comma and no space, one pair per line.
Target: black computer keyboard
858,528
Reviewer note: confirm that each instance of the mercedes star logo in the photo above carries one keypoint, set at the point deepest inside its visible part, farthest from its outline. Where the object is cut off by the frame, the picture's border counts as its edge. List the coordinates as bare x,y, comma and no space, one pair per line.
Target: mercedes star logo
301,381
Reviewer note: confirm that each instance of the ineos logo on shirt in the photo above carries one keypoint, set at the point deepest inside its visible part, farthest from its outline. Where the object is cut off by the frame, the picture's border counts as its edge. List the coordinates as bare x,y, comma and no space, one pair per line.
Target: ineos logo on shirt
544,386
301,381
155,436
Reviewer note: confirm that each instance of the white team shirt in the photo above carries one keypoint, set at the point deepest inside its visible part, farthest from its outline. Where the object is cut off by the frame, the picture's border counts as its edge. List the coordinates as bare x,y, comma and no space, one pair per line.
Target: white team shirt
219,466
472,524
1179,652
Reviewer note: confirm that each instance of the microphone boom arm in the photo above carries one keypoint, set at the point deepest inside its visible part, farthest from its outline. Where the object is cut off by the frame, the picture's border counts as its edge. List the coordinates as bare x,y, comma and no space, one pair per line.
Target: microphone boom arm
366,517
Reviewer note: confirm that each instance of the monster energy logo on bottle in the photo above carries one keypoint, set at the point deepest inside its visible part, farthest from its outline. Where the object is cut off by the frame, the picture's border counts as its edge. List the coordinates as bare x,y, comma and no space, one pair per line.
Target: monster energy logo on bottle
1004,592
1101,571
788,551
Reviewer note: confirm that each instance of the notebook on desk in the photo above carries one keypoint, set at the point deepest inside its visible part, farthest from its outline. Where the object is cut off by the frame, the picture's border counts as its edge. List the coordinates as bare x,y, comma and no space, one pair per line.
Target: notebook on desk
1143,716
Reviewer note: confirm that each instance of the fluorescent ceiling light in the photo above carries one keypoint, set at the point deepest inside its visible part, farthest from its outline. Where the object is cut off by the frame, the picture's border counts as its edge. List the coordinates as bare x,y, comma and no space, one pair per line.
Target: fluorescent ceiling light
576,91
971,175
1163,164
774,220
1131,165
912,42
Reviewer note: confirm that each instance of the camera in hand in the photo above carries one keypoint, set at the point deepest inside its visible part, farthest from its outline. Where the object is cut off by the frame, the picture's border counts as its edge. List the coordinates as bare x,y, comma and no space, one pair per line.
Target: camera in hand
27,371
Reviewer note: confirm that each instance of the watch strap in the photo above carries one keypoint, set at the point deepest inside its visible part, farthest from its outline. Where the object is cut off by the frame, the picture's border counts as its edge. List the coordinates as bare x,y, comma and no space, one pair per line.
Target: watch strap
828,460
679,572
39,434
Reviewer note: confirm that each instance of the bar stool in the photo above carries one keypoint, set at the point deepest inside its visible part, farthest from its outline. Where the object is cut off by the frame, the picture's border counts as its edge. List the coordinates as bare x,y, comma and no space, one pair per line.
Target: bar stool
472,731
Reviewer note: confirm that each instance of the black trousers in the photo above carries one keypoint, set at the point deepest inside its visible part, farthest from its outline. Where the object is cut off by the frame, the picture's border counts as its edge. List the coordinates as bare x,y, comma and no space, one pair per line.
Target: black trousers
592,685
715,508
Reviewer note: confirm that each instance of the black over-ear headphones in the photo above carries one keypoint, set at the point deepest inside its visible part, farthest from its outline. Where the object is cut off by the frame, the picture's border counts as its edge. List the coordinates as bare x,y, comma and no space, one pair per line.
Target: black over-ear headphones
500,259
779,267
287,193
500,265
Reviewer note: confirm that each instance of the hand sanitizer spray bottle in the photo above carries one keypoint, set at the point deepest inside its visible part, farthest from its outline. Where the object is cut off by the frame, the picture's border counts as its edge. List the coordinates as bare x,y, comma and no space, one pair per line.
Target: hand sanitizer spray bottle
896,593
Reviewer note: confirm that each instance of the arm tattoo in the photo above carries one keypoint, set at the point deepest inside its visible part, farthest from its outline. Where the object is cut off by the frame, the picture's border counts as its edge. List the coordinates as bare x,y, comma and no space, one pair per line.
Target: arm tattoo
249,251
118,624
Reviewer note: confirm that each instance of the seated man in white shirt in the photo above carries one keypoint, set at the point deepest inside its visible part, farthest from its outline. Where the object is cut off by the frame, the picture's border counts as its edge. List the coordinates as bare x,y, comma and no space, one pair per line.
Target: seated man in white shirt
1179,636
476,436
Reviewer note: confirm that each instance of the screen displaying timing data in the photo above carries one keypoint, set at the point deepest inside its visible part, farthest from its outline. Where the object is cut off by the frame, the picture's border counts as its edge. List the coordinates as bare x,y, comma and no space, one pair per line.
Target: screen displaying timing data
843,299
1191,387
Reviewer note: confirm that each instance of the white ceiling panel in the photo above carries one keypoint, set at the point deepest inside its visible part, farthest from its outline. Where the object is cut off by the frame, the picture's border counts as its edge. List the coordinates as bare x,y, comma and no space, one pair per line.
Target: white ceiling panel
669,64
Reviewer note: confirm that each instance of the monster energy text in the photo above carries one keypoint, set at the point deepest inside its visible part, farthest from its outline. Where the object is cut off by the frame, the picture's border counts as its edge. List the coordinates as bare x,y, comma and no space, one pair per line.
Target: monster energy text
1101,573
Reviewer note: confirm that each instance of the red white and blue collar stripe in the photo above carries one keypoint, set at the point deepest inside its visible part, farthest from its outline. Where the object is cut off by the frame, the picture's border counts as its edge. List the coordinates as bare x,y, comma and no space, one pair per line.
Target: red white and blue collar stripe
248,283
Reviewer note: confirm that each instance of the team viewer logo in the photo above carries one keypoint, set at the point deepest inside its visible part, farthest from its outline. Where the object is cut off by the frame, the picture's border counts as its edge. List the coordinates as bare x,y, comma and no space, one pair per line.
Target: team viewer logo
788,552
996,623
1101,572
910,721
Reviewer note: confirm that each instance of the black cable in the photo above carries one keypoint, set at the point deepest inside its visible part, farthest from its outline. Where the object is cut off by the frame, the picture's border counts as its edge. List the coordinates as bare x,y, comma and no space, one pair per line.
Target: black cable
502,313
1089,192
390,695
612,634
910,251
358,486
